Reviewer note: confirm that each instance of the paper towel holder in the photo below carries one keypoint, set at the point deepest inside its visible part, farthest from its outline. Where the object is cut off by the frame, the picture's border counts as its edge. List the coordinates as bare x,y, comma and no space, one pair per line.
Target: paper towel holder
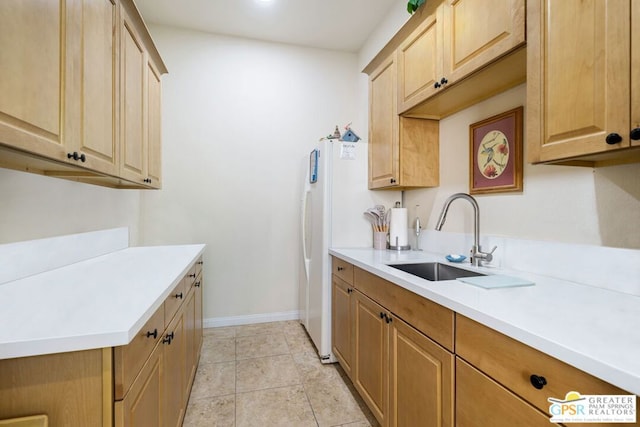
399,248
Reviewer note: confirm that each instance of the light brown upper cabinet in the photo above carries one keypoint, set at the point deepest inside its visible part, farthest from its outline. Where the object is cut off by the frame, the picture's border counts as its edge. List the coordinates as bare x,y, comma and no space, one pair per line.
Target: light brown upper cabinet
140,106
583,70
455,39
403,152
62,86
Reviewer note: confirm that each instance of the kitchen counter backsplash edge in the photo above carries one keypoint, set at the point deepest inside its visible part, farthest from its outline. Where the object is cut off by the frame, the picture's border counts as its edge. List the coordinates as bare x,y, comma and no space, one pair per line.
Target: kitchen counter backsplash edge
542,316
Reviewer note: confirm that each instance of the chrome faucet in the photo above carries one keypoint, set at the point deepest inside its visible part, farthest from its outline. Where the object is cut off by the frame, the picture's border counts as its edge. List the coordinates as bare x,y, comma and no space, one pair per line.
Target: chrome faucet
477,256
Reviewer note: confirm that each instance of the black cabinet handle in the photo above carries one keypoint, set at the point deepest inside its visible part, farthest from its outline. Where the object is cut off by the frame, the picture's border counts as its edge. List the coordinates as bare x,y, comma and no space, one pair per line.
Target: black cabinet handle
444,81
178,295
613,138
192,275
635,134
75,156
538,381
153,334
393,180
340,268
167,339
382,315
197,284
147,180
200,262
436,85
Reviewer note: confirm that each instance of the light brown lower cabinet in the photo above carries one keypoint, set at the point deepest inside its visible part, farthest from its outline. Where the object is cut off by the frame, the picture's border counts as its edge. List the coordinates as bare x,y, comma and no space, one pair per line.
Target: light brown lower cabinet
405,378
143,384
398,348
480,401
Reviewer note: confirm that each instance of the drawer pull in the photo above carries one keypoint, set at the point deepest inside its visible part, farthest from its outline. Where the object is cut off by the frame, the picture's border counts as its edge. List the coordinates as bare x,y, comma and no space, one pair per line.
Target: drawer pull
200,262
193,275
178,295
167,339
340,268
538,381
153,334
197,284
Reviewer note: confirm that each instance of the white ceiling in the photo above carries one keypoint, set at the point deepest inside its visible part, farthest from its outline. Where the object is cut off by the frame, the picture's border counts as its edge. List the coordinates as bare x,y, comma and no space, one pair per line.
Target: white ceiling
329,24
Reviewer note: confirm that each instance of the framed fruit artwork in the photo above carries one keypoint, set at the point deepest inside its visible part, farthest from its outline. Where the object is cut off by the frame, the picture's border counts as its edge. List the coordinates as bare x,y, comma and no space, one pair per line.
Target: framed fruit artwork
495,154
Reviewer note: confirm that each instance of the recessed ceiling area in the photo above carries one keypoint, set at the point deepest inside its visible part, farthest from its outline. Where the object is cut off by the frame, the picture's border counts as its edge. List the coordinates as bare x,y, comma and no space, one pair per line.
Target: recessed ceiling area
327,24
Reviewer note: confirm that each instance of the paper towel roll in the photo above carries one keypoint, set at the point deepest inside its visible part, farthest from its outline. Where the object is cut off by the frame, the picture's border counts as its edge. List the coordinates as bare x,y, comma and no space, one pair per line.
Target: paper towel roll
398,228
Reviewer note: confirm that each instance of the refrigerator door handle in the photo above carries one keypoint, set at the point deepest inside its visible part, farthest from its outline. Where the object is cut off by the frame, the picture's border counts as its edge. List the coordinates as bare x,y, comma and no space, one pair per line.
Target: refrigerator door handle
305,199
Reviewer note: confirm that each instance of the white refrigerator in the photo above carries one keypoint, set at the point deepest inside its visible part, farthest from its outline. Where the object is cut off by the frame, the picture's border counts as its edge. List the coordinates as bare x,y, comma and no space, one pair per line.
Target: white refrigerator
334,197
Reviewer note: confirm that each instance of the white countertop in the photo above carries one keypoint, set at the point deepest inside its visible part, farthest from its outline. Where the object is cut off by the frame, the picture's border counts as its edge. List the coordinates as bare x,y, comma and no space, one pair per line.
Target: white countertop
593,329
95,303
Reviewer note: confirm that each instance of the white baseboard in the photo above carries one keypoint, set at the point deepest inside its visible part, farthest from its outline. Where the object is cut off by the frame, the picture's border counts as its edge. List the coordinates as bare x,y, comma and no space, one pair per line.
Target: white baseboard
216,322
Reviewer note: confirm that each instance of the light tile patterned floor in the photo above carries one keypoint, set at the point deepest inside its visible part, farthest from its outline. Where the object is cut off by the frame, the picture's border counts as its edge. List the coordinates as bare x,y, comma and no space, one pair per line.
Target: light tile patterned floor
269,375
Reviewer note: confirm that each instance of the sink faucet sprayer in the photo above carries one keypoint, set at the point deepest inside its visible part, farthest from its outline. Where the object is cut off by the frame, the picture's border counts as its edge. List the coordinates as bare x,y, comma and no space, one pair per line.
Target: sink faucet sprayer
477,256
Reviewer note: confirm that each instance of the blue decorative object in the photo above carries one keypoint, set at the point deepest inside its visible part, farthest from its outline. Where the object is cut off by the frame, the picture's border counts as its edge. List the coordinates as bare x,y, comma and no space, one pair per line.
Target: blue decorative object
455,258
350,136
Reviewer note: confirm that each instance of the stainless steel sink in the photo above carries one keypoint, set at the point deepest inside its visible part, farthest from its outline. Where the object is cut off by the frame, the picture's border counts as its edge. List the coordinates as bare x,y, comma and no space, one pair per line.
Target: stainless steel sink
435,271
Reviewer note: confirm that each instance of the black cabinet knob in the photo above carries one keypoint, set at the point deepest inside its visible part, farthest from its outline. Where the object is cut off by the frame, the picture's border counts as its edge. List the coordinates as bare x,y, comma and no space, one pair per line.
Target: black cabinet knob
192,275
392,180
167,339
147,180
200,262
635,134
613,138
340,268
178,295
444,81
197,284
436,85
76,156
538,381
153,334
381,315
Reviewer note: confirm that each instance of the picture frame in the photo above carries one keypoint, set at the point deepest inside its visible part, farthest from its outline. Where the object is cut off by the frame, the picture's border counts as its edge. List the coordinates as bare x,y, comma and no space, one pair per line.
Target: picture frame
495,153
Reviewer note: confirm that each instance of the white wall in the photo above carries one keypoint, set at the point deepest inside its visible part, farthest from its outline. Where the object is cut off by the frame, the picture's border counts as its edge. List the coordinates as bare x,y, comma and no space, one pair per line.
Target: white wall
239,119
34,207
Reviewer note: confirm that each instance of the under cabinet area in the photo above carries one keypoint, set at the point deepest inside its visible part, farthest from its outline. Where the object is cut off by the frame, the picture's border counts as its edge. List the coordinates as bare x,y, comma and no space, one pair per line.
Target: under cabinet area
415,362
77,102
583,82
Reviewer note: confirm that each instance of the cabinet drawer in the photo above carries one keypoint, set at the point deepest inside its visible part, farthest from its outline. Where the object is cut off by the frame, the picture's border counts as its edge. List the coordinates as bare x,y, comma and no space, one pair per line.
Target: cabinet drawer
129,359
174,300
430,318
480,401
512,363
342,269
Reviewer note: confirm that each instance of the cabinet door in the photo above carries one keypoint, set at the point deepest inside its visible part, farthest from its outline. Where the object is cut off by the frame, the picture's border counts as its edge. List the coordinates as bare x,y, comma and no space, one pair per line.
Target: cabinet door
36,75
154,103
476,33
142,406
635,69
97,138
421,379
174,373
133,106
198,318
480,401
342,323
371,354
383,126
420,60
190,338
578,78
